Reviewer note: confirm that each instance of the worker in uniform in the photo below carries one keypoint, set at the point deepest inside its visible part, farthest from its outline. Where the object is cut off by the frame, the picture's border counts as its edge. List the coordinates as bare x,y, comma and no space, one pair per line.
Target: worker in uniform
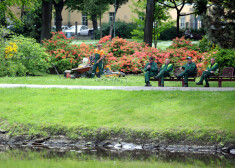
151,69
190,69
211,69
98,55
165,70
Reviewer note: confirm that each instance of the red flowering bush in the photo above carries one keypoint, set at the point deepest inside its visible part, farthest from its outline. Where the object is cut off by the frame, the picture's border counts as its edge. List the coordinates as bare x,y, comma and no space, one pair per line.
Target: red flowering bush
63,54
131,57
183,43
123,55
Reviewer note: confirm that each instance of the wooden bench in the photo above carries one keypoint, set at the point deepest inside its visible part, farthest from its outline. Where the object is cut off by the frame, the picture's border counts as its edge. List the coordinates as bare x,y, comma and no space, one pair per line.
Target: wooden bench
176,72
227,75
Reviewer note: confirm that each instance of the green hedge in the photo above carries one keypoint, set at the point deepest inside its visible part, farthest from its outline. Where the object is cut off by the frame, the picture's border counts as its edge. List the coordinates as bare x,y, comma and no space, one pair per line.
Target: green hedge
122,30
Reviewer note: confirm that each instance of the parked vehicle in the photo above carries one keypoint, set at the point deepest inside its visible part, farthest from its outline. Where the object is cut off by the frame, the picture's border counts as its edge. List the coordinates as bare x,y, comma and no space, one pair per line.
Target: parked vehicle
64,28
81,30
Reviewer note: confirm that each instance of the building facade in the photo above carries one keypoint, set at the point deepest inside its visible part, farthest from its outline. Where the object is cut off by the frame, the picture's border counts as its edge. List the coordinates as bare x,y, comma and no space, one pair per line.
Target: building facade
123,14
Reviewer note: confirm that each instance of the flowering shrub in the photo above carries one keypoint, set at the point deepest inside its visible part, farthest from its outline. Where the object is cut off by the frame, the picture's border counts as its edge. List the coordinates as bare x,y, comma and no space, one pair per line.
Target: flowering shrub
10,50
183,43
63,54
131,57
23,56
123,55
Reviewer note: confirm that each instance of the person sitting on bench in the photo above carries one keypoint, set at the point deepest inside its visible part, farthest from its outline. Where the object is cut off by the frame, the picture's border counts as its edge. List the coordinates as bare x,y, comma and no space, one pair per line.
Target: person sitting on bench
164,71
211,69
151,69
190,69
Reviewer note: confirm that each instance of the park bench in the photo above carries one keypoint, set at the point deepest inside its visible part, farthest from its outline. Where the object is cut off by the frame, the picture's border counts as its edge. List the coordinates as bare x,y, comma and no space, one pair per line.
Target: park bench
176,72
227,75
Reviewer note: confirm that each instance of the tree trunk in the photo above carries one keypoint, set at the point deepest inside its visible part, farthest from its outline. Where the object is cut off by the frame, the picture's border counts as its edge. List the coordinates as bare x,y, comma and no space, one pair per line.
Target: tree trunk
148,27
58,14
94,22
46,20
178,23
100,28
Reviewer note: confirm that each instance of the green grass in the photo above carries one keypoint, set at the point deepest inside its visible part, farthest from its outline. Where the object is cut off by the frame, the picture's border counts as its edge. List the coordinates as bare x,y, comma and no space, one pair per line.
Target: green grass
130,80
156,111
162,45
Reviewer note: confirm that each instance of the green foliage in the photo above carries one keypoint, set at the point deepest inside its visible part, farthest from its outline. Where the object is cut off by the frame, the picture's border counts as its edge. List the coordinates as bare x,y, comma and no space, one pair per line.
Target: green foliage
219,23
161,18
205,45
30,25
22,56
224,57
169,33
122,29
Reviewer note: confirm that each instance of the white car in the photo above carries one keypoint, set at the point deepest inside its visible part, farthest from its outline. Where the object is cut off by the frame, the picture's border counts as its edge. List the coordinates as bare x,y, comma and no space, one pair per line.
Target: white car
81,30
64,28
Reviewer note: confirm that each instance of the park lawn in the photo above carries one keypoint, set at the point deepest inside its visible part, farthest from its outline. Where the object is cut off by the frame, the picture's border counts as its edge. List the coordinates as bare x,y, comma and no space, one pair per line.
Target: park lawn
203,112
129,80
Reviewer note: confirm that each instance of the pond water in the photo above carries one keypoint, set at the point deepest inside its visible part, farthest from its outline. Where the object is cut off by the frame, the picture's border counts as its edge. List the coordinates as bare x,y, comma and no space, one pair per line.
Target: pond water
101,158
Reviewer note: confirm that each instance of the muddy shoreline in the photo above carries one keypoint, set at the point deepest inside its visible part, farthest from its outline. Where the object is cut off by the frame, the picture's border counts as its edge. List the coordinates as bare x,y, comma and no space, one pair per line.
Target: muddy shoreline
117,144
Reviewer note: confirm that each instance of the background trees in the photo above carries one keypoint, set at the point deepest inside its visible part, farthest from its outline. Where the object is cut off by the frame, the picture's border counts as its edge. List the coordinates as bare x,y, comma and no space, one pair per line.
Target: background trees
219,22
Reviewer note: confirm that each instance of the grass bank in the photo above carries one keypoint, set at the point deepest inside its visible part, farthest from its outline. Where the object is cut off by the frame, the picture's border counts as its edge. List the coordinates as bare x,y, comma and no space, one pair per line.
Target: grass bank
130,80
174,115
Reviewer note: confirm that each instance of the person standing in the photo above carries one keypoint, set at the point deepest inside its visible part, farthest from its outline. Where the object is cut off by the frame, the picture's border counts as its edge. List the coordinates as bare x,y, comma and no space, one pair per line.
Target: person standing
99,55
211,69
151,69
190,69
164,71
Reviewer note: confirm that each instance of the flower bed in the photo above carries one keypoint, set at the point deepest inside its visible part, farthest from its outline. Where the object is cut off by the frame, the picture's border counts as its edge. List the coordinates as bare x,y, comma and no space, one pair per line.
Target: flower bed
123,55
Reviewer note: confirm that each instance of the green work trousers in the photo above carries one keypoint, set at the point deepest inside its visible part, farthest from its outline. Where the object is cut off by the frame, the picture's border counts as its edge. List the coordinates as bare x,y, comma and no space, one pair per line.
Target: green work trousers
186,74
161,75
205,76
147,75
99,65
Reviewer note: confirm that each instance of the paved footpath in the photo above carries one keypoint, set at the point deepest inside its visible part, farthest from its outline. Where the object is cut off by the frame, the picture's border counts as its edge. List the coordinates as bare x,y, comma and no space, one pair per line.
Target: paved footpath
128,88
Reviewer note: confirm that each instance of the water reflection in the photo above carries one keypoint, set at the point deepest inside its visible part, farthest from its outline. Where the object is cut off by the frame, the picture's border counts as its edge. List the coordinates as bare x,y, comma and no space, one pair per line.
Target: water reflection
40,157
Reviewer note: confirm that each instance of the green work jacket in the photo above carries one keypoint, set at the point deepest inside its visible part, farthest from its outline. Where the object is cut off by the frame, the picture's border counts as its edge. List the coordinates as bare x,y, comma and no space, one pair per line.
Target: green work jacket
168,68
153,67
213,68
190,67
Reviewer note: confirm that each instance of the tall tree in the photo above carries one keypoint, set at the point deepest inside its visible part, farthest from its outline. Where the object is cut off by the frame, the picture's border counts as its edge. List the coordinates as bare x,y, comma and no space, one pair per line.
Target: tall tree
5,11
46,19
149,18
178,5
58,5
116,4
219,21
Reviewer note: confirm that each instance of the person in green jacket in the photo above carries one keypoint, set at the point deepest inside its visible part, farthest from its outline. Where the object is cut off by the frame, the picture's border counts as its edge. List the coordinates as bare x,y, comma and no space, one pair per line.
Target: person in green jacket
190,69
98,55
211,69
151,69
164,71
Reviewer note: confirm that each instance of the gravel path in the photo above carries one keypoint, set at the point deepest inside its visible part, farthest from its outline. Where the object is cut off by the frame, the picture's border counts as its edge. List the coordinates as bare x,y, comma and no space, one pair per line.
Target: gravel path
128,88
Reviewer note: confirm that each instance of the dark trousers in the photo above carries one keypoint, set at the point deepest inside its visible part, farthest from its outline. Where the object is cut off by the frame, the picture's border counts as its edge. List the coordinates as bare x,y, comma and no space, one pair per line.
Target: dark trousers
147,75
99,65
186,74
205,76
161,75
